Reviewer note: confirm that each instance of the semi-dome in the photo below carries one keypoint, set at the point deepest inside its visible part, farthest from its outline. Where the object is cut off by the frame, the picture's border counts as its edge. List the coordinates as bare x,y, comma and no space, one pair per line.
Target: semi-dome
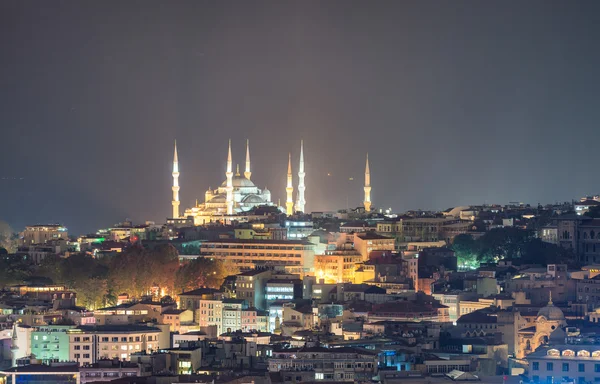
218,199
253,199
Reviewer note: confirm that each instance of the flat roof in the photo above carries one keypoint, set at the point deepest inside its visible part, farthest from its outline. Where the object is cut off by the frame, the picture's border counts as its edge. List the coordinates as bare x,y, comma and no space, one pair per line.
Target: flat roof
257,241
41,368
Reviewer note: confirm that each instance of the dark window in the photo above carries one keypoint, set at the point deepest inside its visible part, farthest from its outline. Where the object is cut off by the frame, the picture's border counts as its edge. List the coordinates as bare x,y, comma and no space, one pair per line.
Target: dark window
565,367
536,366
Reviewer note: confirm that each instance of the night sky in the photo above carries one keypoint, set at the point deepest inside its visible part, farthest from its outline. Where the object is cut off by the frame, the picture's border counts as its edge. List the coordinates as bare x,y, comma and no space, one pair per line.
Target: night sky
457,102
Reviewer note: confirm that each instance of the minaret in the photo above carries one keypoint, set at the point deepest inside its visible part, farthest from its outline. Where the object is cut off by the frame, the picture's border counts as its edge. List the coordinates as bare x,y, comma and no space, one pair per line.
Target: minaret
229,185
14,347
289,203
301,188
367,201
175,186
247,172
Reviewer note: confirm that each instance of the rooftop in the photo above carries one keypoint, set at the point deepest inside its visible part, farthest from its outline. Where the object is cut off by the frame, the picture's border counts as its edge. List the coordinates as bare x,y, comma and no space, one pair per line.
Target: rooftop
39,368
199,292
256,241
117,328
372,236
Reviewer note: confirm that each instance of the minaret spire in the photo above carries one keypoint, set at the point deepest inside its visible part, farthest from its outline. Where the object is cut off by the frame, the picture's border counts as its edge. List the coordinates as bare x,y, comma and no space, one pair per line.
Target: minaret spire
550,301
175,187
289,203
229,184
367,188
300,202
247,172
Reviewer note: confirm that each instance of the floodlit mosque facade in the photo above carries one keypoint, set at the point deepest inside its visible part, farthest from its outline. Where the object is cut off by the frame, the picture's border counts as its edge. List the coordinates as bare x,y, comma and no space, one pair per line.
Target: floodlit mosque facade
238,194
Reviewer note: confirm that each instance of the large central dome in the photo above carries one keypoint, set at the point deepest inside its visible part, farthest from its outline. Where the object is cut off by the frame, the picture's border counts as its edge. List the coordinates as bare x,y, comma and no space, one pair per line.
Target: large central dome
239,182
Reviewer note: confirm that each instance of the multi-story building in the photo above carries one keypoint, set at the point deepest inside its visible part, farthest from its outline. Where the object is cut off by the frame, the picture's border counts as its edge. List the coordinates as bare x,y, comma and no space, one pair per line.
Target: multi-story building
191,299
50,343
588,291
438,257
38,373
128,313
88,344
421,229
108,370
579,363
539,284
367,242
345,364
210,313
409,311
232,314
254,319
250,254
298,229
250,286
578,234
337,266
178,319
280,289
41,234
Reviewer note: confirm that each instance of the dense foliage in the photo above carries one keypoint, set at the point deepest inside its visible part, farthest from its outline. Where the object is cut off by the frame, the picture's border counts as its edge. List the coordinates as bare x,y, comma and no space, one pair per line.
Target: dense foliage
509,243
137,271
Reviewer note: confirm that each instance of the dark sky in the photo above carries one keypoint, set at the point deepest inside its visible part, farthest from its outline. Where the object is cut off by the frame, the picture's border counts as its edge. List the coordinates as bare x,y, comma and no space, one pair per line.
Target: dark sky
457,102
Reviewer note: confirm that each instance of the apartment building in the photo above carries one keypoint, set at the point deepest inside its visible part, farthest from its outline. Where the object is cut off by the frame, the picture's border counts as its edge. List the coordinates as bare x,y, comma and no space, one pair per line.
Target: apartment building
88,344
337,266
250,286
248,254
344,364
367,242
108,370
569,362
41,234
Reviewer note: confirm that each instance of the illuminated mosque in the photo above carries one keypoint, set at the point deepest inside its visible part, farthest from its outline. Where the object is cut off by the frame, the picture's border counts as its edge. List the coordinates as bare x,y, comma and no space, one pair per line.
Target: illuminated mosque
238,194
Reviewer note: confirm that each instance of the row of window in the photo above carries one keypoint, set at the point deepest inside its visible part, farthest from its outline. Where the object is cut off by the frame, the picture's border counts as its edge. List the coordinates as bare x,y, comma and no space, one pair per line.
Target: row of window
236,246
569,352
566,379
565,367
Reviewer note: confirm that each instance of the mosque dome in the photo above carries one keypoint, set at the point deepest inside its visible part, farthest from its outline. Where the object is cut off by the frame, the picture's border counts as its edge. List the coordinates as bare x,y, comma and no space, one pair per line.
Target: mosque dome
550,312
239,182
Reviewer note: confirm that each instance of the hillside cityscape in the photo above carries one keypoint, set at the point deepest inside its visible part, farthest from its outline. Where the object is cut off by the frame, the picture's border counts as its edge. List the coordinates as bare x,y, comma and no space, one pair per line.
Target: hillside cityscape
262,293
299,192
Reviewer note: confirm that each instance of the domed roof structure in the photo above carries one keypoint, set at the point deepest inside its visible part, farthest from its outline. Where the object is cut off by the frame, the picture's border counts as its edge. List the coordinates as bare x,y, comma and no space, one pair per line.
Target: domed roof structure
239,182
253,199
550,312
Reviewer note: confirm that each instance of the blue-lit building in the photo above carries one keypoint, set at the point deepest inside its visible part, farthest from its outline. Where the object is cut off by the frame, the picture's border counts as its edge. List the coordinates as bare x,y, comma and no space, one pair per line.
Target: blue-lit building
41,374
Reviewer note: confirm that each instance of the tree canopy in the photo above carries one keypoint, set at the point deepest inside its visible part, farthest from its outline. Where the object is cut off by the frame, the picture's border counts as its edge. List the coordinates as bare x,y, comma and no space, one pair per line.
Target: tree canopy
507,243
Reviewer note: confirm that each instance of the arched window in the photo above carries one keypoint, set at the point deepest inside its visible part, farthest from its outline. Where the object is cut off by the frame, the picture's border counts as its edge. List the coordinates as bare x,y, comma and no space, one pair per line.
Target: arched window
568,352
592,234
553,352
583,353
596,354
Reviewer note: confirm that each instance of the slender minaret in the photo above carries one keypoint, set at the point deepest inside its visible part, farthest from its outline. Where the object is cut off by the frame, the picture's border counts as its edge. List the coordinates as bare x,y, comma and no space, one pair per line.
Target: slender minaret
175,186
301,188
289,203
367,201
247,172
229,185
